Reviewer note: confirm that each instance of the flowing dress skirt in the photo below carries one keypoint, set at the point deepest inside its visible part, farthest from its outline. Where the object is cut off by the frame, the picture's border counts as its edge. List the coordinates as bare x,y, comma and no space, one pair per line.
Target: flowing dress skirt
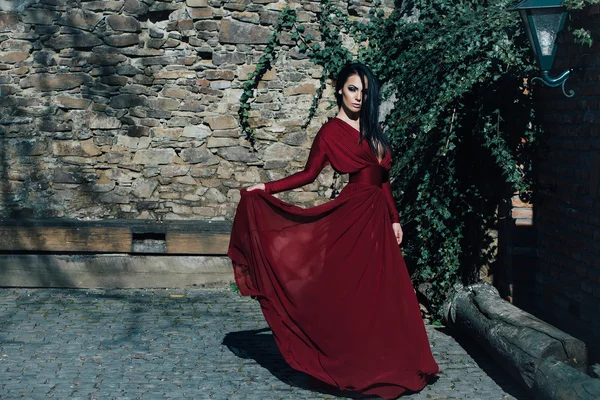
334,289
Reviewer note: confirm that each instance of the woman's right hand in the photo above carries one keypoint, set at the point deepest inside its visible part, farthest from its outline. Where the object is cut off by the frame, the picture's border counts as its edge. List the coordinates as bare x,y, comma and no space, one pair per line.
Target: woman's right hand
258,186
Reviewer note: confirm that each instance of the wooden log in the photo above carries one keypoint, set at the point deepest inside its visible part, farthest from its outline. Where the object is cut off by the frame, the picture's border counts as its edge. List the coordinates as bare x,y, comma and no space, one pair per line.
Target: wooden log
556,380
519,341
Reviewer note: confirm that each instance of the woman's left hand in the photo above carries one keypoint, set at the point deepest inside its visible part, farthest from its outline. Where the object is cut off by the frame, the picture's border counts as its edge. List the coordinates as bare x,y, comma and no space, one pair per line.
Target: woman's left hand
397,232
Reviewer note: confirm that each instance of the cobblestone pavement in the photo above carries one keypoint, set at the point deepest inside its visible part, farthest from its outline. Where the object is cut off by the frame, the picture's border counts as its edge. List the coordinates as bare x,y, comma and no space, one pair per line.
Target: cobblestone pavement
174,344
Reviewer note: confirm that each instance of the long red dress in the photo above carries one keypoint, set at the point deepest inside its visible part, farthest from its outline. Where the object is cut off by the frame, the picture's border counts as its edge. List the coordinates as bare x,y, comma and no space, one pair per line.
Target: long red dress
331,279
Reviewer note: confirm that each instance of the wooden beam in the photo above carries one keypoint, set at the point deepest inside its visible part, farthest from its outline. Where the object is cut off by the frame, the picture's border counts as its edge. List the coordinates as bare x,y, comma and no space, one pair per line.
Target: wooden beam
197,243
114,236
64,239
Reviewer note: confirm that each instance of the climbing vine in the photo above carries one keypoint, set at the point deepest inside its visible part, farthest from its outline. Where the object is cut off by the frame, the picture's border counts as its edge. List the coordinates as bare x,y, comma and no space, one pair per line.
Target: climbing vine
328,53
285,22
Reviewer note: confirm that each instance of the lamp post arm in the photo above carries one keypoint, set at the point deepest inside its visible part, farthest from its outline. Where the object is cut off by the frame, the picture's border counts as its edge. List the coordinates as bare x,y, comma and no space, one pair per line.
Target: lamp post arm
560,80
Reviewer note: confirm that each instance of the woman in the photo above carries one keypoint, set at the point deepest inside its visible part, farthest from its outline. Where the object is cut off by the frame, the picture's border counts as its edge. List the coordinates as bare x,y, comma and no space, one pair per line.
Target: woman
331,279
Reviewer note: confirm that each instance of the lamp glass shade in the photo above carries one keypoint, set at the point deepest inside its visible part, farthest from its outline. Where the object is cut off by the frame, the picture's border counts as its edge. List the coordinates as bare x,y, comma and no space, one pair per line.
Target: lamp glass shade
547,24
543,26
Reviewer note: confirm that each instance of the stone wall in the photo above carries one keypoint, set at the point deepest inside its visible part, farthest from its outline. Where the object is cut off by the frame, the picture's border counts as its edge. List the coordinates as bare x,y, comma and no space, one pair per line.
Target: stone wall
567,200
128,108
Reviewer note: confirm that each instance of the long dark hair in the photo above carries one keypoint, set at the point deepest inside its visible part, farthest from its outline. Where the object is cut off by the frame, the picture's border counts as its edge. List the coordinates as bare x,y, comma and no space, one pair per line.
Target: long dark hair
370,129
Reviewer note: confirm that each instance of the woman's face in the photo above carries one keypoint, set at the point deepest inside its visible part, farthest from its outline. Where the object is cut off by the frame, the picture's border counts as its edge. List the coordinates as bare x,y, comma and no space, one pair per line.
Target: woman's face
353,93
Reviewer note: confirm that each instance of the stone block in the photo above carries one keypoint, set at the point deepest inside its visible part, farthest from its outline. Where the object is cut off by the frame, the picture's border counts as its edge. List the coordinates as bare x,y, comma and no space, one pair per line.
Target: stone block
247,16
199,155
221,122
269,18
51,125
175,92
295,138
236,5
114,197
237,153
175,74
114,80
29,147
206,26
54,81
200,13
138,131
8,22
143,188
128,70
250,175
127,101
196,3
156,43
102,187
67,148
45,58
7,90
81,19
38,16
246,70
16,44
90,148
171,171
228,58
236,32
135,7
123,23
202,172
102,121
12,57
213,195
198,132
123,40
305,88
220,85
72,102
103,5
219,75
83,39
67,177
154,156
279,152
215,142
165,104
160,60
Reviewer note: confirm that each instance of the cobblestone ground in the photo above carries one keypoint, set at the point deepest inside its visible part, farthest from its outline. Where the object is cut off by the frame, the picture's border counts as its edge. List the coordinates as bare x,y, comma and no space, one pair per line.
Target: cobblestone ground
200,344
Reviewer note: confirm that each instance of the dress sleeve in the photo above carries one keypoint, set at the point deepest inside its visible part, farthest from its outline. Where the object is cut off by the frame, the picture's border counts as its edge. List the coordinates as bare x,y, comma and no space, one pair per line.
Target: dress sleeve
317,160
389,198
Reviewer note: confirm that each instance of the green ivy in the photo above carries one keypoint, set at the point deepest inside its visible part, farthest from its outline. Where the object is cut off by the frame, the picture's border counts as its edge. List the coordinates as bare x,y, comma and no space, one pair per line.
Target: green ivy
286,22
462,128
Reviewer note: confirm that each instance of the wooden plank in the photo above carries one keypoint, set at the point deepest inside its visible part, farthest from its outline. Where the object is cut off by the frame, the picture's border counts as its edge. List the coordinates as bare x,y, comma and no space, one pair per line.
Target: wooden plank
197,243
65,239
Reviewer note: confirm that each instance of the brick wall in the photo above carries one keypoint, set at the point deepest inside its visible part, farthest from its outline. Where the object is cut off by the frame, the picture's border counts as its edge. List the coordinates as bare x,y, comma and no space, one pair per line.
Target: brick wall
567,200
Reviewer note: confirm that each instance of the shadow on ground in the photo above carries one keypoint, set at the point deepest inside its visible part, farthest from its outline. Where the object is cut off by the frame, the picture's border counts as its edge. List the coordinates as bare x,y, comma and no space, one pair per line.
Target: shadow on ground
259,345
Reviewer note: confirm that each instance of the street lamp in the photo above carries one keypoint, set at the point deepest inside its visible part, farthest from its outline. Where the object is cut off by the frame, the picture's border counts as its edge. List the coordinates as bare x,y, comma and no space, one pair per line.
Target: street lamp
543,20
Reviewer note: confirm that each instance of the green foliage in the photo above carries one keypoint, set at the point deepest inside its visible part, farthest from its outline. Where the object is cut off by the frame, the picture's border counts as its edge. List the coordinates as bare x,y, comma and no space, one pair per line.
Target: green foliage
460,129
581,35
286,22
233,287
